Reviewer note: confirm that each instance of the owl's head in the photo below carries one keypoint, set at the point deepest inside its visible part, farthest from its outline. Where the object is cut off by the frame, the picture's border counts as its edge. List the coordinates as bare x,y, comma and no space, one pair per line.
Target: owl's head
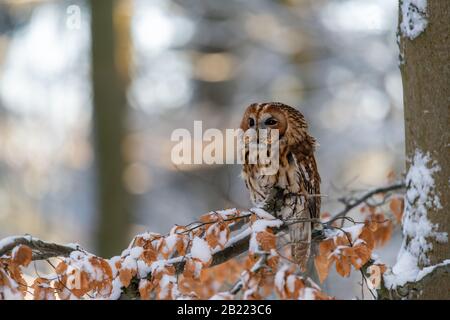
273,115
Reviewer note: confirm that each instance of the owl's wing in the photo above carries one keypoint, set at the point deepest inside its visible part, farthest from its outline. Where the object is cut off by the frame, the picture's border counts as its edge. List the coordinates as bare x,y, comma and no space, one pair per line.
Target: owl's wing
310,180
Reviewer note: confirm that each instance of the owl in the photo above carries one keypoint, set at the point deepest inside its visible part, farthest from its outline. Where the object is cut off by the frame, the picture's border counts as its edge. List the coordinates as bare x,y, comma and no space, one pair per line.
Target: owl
297,176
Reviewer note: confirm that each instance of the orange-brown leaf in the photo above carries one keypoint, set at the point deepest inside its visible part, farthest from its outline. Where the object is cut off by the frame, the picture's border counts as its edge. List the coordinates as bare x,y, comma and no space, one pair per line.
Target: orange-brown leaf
125,276
397,205
343,266
22,255
266,240
323,264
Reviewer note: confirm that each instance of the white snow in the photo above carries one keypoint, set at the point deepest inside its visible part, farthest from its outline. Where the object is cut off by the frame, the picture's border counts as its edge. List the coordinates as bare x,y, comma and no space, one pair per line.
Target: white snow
308,294
112,264
407,270
221,296
414,18
290,281
143,268
261,213
354,232
262,225
421,196
226,213
136,252
129,263
279,277
8,241
422,273
171,241
201,250
116,289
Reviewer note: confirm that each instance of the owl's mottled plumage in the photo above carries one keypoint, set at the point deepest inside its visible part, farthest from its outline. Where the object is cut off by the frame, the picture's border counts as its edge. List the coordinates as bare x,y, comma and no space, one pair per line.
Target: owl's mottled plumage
297,175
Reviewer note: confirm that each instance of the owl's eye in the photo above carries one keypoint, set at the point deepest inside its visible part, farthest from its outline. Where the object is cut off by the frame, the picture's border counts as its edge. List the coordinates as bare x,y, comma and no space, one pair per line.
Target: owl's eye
251,122
270,122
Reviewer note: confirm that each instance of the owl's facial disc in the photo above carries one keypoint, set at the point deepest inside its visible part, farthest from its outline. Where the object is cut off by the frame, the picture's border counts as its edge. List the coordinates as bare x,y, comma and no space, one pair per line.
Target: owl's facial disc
273,120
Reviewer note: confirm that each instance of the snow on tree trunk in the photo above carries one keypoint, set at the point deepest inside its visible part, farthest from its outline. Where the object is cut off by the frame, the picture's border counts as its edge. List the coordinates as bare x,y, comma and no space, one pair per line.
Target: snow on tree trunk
424,30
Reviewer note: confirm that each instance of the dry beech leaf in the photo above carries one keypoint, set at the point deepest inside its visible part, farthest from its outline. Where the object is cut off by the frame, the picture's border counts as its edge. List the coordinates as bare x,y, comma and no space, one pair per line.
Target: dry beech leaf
125,276
42,289
266,240
323,264
145,289
360,257
397,205
149,255
326,247
343,266
22,255
78,283
192,268
367,236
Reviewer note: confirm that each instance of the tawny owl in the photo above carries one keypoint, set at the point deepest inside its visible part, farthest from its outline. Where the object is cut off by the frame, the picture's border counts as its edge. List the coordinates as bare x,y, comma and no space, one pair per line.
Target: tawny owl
297,176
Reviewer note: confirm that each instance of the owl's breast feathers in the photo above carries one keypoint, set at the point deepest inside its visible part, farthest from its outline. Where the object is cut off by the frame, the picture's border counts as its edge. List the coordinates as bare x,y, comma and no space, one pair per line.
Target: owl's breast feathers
297,175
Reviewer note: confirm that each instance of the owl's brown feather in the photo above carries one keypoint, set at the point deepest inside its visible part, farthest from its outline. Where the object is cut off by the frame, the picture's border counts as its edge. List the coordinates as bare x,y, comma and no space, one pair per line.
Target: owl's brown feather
297,175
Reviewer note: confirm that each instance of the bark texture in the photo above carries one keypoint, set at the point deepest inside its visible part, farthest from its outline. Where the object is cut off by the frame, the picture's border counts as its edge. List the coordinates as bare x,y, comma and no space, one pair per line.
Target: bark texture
425,69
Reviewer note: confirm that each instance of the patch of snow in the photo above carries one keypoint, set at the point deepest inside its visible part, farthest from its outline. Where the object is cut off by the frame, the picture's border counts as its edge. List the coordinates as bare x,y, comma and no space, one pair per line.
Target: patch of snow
421,196
165,283
414,18
221,296
171,241
290,281
136,252
308,294
422,273
143,268
279,277
354,232
201,250
129,263
261,213
112,264
262,225
116,289
407,270
226,213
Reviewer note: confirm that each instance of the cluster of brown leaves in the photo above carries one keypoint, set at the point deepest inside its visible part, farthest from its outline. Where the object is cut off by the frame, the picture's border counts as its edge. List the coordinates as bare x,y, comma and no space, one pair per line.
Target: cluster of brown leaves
12,283
346,249
160,252
294,287
79,275
382,220
351,247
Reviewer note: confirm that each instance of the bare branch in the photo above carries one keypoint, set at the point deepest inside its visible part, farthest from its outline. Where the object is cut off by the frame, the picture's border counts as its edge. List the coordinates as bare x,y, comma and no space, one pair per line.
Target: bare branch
351,203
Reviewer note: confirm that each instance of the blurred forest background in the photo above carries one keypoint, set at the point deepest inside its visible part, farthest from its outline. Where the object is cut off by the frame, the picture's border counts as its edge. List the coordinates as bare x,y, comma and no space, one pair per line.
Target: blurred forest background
90,92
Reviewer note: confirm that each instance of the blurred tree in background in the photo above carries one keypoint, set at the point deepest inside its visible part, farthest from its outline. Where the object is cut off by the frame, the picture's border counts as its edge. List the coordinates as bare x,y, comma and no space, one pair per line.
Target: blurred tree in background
110,81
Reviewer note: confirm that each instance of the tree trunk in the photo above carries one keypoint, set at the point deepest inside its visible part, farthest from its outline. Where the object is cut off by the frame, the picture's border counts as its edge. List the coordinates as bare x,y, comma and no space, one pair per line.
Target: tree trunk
425,69
109,117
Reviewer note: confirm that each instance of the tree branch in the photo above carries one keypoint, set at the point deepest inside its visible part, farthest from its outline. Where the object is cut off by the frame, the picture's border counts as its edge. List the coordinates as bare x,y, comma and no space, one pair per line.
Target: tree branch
44,249
412,290
351,203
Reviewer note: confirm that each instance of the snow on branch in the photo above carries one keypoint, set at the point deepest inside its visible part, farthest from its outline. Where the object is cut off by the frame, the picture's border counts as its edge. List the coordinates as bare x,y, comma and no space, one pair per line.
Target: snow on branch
227,254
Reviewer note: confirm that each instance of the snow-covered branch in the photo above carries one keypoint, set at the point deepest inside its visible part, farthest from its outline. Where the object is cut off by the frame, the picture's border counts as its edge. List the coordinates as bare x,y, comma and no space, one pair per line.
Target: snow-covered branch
169,266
